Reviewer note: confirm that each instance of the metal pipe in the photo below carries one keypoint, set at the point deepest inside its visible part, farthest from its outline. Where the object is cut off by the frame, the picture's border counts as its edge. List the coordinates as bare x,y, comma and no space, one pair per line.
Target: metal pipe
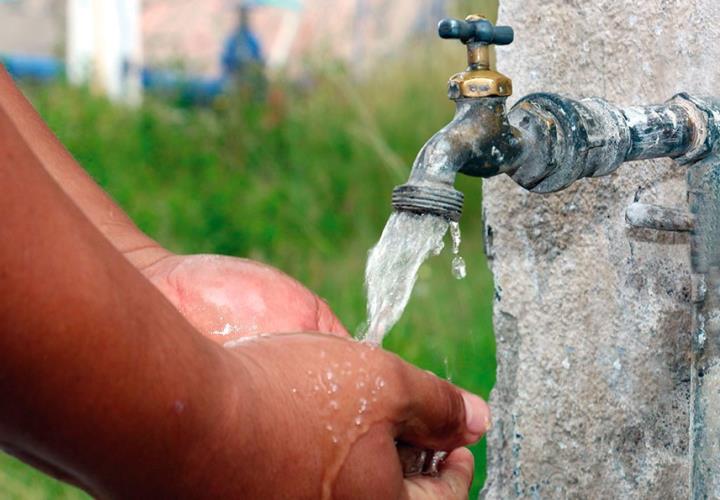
545,143
658,131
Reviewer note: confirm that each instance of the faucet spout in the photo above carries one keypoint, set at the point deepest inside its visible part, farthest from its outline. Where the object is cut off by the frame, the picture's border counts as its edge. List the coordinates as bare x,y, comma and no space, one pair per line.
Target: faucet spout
479,142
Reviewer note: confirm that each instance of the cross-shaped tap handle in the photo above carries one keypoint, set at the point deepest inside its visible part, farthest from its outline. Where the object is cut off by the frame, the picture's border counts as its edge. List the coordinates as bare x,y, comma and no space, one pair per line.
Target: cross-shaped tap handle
475,29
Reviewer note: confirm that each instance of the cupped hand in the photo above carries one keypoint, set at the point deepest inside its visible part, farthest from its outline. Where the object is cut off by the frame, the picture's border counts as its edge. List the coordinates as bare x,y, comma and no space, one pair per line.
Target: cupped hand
332,411
228,298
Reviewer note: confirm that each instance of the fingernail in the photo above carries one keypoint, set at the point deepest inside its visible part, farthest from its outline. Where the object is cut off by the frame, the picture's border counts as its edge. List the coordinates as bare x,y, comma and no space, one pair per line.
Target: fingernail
476,414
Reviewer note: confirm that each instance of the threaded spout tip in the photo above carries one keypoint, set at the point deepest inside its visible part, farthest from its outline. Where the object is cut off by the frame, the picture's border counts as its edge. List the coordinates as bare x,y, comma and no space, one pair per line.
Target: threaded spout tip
434,199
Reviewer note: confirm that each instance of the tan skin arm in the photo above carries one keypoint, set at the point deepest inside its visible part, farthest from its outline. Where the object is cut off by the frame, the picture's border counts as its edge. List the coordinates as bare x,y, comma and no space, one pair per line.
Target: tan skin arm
103,382
93,361
95,203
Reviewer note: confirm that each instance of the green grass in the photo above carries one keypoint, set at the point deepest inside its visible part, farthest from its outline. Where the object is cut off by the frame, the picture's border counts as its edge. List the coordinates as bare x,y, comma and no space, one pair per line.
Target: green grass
301,182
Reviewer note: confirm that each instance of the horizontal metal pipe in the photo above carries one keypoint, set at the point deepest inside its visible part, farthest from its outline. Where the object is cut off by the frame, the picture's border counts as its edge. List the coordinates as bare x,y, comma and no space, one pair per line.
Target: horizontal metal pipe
657,131
547,141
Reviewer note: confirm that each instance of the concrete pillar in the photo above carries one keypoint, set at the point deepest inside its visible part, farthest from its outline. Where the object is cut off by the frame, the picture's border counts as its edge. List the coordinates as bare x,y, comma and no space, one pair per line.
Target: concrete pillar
593,319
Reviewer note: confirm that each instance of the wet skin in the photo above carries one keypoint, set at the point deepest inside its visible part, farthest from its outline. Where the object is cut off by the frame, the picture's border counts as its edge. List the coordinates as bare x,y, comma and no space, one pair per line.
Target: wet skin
228,298
114,387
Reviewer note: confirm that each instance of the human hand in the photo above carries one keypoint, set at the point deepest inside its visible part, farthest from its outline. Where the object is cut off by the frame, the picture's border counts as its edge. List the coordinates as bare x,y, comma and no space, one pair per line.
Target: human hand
453,482
331,412
227,298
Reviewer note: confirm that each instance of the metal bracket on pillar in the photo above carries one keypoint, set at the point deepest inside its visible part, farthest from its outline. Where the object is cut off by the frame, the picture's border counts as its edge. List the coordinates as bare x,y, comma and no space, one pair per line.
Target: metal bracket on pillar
644,216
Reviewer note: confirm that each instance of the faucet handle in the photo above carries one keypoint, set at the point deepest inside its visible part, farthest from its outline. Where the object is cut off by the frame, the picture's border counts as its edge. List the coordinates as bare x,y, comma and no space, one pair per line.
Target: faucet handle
475,29
478,80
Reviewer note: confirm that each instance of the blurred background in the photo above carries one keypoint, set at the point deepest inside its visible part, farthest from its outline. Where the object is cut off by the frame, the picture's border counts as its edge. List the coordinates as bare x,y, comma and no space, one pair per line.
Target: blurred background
273,130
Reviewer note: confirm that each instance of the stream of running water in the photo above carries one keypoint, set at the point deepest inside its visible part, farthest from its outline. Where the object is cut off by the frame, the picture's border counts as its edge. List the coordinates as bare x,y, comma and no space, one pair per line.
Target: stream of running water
407,241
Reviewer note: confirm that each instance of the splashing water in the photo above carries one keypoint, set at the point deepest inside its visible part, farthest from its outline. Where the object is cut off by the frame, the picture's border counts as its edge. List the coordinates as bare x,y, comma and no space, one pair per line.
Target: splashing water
458,263
392,267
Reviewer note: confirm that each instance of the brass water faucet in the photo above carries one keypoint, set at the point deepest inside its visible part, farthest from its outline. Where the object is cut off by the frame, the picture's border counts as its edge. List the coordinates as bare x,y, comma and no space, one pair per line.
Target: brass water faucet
546,141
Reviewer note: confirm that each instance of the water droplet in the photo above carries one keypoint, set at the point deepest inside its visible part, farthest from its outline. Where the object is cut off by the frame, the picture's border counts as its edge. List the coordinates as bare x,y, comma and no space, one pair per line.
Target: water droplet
358,421
458,263
329,427
456,237
363,406
329,375
334,405
379,383
335,440
294,390
459,268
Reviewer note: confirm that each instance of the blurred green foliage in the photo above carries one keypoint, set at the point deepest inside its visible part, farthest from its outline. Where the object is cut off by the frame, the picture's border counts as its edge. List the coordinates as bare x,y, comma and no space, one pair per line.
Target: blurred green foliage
302,181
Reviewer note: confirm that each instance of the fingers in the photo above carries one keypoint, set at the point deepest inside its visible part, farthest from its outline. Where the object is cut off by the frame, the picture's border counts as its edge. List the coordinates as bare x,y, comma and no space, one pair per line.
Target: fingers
327,322
455,478
457,473
438,415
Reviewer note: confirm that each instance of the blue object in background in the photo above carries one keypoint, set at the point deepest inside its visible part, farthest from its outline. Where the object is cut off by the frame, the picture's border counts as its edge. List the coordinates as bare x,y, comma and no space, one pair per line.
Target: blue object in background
241,49
241,54
189,89
40,68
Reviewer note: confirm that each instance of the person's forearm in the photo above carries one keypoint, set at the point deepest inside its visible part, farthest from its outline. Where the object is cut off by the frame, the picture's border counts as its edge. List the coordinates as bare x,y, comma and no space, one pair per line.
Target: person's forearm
100,377
97,206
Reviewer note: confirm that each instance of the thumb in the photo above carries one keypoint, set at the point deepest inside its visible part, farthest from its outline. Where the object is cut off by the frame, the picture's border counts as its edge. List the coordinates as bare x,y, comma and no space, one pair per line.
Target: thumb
439,415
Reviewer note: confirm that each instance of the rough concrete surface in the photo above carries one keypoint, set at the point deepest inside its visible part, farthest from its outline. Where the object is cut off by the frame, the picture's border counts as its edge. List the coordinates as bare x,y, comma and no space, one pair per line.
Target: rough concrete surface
593,319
